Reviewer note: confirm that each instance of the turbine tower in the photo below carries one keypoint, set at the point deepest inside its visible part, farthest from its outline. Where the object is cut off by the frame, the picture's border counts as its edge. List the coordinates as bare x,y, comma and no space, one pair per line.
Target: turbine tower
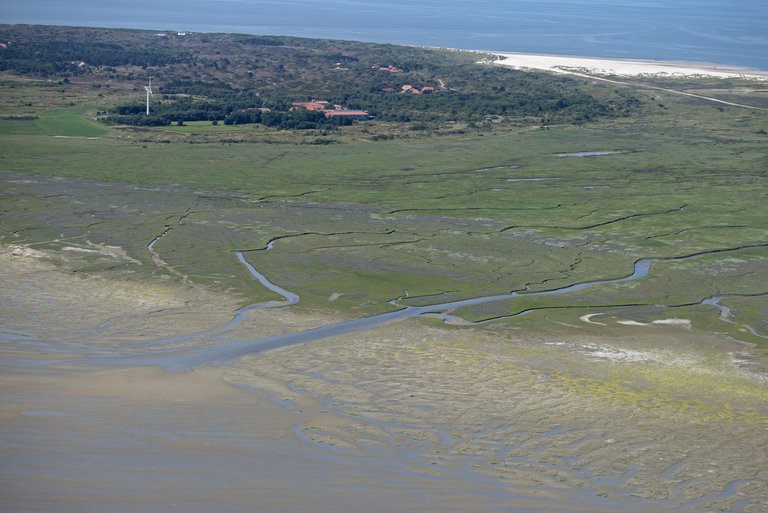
149,93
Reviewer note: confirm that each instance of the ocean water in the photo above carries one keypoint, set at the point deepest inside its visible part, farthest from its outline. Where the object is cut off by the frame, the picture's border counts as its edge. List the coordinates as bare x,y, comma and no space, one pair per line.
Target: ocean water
733,32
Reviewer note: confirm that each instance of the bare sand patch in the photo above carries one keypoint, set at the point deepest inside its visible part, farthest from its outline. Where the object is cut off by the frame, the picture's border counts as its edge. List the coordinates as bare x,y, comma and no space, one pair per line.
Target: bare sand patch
587,318
625,67
114,252
43,295
685,323
629,322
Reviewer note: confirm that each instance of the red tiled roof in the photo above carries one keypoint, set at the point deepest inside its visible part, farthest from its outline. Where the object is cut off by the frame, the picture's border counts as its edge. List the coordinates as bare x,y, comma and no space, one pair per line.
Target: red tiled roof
313,105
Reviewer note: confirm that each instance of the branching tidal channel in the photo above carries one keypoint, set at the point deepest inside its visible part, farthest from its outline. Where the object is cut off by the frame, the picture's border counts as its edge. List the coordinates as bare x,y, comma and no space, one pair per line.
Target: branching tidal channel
182,359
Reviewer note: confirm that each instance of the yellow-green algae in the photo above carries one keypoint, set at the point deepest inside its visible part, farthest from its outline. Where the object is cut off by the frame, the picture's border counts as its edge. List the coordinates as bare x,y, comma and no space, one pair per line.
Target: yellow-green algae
701,394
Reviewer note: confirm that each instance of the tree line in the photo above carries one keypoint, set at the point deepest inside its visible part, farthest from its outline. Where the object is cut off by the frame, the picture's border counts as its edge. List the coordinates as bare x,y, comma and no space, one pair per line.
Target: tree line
54,56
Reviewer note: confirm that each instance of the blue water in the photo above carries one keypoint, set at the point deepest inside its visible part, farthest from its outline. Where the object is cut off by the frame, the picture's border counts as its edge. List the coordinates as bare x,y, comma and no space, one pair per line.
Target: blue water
731,32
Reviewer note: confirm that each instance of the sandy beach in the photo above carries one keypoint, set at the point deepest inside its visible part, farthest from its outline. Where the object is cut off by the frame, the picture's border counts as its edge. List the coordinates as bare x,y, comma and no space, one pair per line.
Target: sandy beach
624,68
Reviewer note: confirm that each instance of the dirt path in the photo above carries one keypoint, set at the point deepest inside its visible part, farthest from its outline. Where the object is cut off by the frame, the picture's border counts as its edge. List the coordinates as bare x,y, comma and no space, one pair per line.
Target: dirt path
656,88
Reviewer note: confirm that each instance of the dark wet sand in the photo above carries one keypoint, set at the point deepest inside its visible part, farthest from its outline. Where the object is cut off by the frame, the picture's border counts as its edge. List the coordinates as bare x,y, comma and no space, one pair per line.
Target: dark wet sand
96,442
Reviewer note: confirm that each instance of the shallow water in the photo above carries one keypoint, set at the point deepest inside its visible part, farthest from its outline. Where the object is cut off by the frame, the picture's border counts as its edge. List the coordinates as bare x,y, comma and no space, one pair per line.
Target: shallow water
589,153
102,452
531,179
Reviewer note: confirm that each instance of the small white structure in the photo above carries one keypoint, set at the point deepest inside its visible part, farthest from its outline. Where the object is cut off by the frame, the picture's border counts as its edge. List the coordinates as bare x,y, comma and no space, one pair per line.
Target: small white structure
149,93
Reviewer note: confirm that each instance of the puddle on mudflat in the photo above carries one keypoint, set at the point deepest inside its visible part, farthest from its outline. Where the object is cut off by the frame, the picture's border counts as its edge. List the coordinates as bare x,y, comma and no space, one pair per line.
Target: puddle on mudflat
531,179
590,153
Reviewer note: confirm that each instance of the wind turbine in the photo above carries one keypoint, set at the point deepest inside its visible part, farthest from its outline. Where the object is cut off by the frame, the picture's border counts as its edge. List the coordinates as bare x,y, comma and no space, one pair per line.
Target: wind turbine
149,93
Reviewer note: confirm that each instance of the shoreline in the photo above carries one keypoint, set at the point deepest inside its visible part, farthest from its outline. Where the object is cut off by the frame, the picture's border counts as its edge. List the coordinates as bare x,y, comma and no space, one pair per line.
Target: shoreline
606,66
623,67
559,63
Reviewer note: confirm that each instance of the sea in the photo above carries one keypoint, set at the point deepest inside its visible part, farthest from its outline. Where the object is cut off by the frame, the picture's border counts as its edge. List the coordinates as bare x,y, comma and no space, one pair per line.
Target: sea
729,32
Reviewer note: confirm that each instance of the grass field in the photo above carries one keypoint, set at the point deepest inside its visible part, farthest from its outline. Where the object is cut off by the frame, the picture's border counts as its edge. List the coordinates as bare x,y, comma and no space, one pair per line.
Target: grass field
69,122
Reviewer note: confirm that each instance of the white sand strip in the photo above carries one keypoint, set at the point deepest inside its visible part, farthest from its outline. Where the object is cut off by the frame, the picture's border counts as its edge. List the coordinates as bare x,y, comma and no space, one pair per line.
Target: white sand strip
632,323
586,318
686,323
625,68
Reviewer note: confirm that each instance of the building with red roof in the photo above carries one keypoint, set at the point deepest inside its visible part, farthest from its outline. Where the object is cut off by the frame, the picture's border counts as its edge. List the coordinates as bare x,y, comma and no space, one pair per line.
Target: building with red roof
347,113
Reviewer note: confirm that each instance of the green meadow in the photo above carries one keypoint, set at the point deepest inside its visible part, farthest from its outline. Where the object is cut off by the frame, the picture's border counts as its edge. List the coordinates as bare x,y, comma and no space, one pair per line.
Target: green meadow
69,122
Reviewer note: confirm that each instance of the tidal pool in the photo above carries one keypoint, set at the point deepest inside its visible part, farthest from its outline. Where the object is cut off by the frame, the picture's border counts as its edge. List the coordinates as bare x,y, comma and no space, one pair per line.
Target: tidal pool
589,153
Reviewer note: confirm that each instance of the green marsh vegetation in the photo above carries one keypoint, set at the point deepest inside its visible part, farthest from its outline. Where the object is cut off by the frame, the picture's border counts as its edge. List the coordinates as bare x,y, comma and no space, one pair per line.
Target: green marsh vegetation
462,207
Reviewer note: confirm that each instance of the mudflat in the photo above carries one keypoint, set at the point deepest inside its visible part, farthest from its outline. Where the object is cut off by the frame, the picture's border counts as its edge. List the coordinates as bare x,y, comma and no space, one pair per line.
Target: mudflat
415,414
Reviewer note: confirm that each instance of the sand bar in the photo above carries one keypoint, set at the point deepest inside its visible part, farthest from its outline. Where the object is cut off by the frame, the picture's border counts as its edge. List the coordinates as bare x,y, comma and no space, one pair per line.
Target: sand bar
624,67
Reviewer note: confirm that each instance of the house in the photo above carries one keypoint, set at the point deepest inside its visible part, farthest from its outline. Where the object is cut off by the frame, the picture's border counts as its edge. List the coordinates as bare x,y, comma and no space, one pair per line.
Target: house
313,105
330,110
390,69
347,113
408,88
